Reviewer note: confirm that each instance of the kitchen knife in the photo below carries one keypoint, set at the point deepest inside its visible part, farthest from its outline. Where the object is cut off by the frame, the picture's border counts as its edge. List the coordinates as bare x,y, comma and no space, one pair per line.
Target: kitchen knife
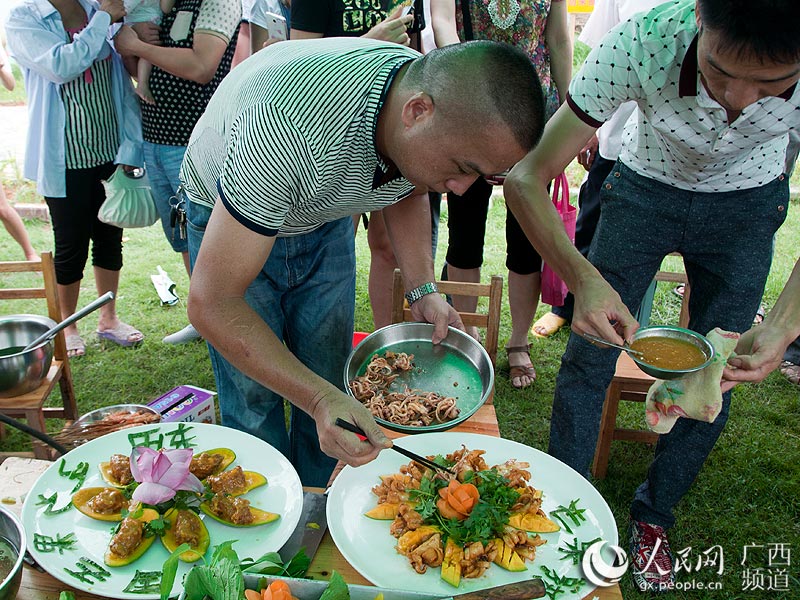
310,529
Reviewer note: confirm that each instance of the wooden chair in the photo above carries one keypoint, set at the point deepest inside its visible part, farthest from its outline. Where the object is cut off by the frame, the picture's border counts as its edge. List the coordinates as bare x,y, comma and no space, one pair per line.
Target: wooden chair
631,383
30,406
490,320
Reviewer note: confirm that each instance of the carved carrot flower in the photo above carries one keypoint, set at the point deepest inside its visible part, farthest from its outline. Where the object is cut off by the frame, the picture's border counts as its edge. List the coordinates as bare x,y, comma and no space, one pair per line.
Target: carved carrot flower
162,473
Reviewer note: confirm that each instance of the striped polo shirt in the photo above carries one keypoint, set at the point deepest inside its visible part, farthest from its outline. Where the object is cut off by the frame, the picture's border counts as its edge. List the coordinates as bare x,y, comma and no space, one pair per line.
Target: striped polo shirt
681,136
288,140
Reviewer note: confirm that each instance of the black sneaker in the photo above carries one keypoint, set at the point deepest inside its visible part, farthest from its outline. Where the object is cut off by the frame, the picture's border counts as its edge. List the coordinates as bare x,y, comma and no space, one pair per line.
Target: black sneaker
651,558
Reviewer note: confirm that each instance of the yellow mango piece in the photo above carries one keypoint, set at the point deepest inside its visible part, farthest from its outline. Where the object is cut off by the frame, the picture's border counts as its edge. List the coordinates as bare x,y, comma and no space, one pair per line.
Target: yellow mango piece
533,522
507,558
384,512
451,565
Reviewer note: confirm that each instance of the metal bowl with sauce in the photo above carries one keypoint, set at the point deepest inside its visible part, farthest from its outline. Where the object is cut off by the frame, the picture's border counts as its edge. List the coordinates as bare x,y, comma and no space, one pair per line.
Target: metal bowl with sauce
21,372
682,340
12,550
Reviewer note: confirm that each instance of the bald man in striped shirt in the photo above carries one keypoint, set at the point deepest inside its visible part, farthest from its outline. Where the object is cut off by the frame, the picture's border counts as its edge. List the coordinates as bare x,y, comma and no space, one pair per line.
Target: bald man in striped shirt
295,141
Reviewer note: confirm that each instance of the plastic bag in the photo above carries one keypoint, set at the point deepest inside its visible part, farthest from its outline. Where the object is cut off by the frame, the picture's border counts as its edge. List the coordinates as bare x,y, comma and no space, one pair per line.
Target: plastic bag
554,290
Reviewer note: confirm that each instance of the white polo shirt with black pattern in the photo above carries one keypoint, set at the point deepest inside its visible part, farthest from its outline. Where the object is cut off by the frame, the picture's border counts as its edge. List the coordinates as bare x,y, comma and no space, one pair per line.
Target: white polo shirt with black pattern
288,139
682,136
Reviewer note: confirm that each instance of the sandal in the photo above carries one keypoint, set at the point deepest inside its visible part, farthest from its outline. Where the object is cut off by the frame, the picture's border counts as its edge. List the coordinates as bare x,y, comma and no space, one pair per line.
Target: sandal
75,346
791,371
548,325
123,334
679,290
760,314
519,371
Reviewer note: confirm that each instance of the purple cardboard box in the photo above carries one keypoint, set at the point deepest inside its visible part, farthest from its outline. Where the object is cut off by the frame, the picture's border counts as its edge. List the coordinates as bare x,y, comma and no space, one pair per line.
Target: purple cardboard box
186,403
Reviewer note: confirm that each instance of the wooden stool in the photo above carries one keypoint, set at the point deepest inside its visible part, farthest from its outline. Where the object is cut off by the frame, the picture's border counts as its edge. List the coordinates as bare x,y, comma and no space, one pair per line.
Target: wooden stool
631,383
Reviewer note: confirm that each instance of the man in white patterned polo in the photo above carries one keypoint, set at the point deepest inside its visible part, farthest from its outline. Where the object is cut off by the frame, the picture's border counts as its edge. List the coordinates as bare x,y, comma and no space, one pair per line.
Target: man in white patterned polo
700,173
296,140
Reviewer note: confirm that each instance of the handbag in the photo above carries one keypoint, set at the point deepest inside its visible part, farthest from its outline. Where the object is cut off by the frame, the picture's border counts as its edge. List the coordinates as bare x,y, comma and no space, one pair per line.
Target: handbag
554,290
129,201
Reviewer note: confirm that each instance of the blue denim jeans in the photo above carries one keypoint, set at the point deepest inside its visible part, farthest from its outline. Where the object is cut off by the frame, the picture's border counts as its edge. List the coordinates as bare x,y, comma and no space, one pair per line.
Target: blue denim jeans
306,294
163,169
726,242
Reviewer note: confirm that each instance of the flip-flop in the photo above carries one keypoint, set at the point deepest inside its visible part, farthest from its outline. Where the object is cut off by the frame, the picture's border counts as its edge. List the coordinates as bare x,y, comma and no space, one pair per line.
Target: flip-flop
521,370
548,325
75,346
791,371
760,314
122,335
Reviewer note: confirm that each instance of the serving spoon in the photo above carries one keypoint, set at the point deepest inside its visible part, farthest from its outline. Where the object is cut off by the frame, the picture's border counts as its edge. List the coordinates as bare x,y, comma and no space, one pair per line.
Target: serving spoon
598,340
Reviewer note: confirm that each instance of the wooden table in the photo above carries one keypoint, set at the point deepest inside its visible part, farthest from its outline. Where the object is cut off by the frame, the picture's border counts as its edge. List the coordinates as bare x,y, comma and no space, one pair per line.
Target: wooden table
17,476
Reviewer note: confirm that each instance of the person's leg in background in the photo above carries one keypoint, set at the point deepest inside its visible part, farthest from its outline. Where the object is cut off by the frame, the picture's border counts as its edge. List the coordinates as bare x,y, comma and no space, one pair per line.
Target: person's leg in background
466,226
383,261
790,366
381,270
524,286
163,164
14,225
75,223
585,226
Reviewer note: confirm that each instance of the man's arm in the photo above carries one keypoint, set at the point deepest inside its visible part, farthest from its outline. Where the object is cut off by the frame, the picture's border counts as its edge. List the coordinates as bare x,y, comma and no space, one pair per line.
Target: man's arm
559,43
760,350
597,305
229,260
408,224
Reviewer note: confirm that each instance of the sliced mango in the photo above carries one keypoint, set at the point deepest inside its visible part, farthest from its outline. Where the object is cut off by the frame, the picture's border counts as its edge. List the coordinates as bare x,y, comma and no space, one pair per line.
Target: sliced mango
507,558
384,512
170,543
451,565
108,477
114,560
533,522
252,481
81,500
228,456
260,517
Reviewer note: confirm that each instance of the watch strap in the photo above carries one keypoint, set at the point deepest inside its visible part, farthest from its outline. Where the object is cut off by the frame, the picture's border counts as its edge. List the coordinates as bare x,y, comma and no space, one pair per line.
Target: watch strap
420,291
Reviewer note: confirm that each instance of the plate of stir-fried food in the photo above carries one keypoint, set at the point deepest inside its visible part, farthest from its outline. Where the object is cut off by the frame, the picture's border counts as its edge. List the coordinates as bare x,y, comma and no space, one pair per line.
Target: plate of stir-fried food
105,516
506,513
413,386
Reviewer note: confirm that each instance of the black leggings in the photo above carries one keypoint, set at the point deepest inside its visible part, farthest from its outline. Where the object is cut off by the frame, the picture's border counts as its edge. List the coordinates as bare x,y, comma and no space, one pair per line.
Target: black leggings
75,222
466,226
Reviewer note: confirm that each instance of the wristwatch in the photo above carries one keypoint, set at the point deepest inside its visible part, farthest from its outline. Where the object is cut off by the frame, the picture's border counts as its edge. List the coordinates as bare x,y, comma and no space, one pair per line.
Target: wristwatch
420,291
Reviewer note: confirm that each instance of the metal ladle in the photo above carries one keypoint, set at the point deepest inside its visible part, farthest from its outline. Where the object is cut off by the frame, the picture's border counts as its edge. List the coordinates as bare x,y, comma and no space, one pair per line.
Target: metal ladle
50,333
598,340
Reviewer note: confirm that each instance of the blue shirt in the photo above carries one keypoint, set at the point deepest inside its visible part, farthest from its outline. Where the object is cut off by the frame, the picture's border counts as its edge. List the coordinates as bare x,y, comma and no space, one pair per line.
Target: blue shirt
38,42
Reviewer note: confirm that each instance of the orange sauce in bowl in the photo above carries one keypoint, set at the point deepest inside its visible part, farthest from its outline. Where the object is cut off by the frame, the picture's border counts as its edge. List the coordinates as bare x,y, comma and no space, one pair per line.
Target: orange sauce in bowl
669,353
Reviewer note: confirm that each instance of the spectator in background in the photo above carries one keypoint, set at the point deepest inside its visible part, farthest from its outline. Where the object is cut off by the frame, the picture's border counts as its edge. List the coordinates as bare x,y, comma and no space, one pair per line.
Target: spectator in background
539,28
258,21
381,21
190,53
598,155
11,220
83,120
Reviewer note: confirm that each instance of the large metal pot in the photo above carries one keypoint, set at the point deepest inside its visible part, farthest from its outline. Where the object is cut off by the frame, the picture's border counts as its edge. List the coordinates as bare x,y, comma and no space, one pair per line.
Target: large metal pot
11,529
21,372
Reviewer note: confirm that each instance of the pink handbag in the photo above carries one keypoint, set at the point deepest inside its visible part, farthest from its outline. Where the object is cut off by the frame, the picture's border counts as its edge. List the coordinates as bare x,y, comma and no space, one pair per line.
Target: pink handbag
554,290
